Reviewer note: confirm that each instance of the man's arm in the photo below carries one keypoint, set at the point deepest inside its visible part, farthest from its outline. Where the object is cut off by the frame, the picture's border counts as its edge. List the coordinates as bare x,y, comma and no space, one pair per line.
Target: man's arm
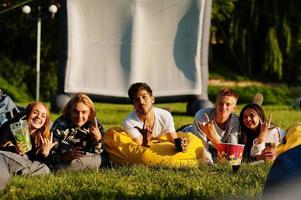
209,130
200,117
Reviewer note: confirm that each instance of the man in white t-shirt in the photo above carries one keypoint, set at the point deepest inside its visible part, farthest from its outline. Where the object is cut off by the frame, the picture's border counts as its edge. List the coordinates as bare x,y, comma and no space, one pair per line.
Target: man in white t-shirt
219,124
147,122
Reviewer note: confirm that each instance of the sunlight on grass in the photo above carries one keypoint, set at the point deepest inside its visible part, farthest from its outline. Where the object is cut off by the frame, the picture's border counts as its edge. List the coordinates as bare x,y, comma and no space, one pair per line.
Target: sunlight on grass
141,182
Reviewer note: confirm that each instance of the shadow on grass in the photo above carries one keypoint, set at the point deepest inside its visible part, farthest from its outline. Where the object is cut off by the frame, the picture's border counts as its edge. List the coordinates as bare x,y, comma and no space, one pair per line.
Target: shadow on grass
180,113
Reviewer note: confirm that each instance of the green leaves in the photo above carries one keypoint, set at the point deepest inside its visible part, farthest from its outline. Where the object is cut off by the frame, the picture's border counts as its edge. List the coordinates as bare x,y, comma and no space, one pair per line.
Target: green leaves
273,57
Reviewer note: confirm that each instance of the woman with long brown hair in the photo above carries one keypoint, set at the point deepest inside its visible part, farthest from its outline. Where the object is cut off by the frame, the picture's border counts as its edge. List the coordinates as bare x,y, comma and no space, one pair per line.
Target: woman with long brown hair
259,134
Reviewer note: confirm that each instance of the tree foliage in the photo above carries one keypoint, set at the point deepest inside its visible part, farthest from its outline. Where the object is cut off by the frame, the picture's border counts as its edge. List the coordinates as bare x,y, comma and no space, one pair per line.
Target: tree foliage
256,38
263,34
221,11
18,49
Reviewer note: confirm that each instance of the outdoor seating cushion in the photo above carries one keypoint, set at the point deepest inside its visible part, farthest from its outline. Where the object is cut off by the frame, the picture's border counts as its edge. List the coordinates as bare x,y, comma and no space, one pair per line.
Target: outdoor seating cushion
291,139
123,150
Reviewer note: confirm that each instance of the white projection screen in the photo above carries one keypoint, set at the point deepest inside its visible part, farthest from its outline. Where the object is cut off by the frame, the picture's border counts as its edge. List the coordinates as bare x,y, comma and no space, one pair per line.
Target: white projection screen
110,44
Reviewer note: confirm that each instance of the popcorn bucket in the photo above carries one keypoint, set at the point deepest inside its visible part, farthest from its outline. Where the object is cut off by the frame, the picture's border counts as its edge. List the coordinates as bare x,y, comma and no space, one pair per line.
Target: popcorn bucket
230,153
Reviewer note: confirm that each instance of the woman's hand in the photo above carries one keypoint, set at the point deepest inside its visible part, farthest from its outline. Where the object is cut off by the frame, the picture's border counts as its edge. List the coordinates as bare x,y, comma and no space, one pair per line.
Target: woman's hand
268,153
94,131
264,127
21,148
47,144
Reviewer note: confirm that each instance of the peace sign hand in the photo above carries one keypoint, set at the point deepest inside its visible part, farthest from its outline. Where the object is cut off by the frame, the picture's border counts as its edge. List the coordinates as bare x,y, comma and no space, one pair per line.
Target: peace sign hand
264,127
47,144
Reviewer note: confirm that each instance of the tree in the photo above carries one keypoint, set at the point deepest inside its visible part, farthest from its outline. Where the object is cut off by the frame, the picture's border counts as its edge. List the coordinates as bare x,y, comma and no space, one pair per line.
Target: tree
263,34
18,49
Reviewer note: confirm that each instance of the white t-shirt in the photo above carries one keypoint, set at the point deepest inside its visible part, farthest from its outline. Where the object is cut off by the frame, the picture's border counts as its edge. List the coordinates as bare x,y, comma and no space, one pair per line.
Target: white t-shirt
163,123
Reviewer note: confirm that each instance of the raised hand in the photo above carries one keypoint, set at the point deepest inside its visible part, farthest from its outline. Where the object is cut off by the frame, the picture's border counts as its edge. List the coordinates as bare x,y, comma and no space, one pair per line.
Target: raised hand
209,130
47,144
264,127
94,131
146,133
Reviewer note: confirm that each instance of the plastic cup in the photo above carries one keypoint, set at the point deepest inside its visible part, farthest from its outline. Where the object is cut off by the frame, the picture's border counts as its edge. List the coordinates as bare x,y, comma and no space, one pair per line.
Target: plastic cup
270,145
21,133
181,144
178,144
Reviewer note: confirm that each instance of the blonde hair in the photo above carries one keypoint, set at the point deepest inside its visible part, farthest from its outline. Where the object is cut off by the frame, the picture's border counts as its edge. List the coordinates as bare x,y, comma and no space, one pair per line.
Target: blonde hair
227,92
77,99
223,92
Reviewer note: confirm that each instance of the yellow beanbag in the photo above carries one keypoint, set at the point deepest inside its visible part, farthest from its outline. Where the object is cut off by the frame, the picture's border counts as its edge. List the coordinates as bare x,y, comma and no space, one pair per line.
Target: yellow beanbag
292,138
123,151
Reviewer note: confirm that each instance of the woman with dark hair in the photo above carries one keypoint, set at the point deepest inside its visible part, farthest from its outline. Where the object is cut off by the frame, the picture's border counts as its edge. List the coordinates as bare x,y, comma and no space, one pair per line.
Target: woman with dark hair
259,135
79,136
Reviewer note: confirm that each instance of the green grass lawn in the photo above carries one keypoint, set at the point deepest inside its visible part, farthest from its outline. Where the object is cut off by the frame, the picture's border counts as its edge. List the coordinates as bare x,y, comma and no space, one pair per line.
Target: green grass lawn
140,182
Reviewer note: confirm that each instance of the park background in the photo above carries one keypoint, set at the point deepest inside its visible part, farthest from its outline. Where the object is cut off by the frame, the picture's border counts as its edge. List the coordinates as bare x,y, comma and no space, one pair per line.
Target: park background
250,40
254,47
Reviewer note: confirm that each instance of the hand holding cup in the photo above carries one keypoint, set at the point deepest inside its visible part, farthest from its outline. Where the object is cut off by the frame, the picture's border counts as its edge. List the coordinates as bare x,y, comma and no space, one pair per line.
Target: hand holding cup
181,144
269,153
